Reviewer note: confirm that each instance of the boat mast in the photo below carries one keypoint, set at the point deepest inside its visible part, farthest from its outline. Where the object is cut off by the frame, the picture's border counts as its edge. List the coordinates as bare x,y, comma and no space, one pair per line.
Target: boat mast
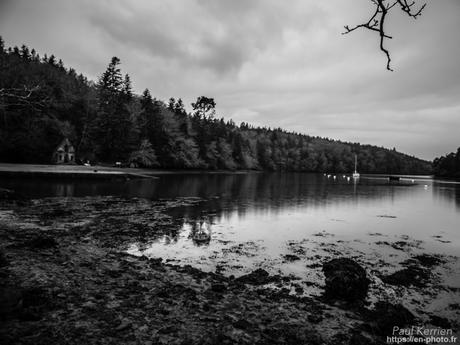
356,164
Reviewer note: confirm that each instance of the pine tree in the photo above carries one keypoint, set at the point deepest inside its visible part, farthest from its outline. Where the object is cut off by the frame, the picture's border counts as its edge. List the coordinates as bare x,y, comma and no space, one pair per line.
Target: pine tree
112,130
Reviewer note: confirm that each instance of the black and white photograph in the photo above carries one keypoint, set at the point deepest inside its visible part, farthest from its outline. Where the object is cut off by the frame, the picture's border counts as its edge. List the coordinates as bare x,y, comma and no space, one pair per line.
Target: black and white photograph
207,172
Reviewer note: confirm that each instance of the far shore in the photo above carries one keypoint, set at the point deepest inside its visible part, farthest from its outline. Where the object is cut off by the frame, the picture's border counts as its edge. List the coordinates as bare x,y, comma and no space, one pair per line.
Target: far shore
106,172
96,171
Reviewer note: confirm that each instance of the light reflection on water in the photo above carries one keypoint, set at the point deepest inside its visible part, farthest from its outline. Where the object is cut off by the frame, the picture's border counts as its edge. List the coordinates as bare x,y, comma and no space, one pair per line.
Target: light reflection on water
266,211
257,219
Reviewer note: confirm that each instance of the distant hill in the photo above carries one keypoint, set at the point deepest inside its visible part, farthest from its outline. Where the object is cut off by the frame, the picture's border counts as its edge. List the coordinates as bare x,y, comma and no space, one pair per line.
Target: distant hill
42,101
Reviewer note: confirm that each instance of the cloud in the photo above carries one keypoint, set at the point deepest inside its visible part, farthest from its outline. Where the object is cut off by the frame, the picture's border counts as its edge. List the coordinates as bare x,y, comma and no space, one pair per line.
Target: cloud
268,62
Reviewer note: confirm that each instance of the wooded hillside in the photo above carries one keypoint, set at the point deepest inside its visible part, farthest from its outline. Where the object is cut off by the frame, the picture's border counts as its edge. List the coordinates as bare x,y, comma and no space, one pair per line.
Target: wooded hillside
42,101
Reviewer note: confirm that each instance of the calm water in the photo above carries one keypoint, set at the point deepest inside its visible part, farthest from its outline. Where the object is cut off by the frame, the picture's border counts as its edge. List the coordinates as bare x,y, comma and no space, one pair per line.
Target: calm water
258,218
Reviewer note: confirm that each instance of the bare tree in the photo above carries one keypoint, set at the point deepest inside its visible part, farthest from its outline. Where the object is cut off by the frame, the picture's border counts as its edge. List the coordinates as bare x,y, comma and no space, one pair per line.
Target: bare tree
377,21
21,97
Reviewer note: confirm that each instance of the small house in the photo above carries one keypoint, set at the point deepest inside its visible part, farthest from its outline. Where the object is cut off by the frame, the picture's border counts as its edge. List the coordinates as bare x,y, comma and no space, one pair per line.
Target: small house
64,153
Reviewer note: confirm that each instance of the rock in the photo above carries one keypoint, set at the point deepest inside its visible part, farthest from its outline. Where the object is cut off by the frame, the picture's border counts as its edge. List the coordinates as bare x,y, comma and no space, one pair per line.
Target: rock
30,314
440,321
114,273
352,338
299,290
291,257
399,245
125,324
3,260
242,324
218,287
427,260
42,242
412,275
345,280
26,304
315,318
386,315
89,305
35,300
168,330
155,261
257,277
10,301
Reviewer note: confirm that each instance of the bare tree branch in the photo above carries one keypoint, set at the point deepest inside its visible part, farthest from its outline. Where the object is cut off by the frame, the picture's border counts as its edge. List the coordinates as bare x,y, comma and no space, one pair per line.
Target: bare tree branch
377,21
19,97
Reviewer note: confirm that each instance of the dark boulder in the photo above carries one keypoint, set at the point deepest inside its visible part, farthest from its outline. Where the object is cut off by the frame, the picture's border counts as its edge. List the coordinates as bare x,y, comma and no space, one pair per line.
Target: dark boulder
218,287
257,277
385,316
3,260
10,301
291,257
242,324
411,275
345,280
440,321
428,260
27,304
42,242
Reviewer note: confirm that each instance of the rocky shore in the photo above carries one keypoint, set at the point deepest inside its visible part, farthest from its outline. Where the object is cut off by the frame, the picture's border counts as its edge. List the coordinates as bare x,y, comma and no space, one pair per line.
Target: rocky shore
66,279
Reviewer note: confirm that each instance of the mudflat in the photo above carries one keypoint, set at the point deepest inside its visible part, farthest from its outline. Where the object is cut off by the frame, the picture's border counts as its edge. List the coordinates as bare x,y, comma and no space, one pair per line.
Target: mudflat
66,279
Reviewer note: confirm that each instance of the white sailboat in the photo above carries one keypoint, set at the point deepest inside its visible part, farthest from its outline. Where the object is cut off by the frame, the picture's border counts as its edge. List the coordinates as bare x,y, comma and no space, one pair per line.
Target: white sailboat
356,173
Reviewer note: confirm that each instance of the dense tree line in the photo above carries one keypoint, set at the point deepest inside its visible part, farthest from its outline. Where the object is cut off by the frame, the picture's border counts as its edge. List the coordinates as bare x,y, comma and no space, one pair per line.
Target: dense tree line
42,101
448,165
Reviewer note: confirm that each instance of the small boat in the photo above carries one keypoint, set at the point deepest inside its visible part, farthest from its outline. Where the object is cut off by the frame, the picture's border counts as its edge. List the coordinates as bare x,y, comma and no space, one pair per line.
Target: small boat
356,174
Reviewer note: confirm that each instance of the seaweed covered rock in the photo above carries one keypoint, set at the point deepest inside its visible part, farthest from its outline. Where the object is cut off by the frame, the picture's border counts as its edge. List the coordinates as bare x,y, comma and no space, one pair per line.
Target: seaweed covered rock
345,280
411,275
42,241
291,257
10,301
428,260
3,260
257,277
386,316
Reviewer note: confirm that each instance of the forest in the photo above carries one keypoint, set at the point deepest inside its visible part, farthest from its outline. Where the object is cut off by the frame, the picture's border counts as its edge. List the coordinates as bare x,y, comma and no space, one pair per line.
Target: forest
42,101
448,165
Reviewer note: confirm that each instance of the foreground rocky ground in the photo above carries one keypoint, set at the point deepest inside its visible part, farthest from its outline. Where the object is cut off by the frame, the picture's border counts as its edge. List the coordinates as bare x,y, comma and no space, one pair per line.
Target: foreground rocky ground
64,280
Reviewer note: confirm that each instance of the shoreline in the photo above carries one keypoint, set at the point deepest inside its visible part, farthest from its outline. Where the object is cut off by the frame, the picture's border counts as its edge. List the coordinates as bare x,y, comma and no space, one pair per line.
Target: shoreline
69,171
67,279
10,169
98,171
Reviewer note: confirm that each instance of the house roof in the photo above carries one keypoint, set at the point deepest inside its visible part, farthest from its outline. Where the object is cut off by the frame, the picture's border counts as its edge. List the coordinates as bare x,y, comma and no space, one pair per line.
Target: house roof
64,142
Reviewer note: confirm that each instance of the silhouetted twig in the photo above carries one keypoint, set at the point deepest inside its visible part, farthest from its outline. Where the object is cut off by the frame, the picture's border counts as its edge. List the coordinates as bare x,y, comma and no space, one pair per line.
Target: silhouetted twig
377,21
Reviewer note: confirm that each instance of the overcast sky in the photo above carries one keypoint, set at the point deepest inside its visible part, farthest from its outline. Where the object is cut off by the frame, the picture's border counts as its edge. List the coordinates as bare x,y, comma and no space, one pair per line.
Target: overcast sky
270,63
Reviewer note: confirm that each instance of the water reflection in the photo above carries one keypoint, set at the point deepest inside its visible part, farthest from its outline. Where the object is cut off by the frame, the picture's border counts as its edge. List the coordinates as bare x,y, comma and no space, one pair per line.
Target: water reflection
201,232
447,192
252,220
265,192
